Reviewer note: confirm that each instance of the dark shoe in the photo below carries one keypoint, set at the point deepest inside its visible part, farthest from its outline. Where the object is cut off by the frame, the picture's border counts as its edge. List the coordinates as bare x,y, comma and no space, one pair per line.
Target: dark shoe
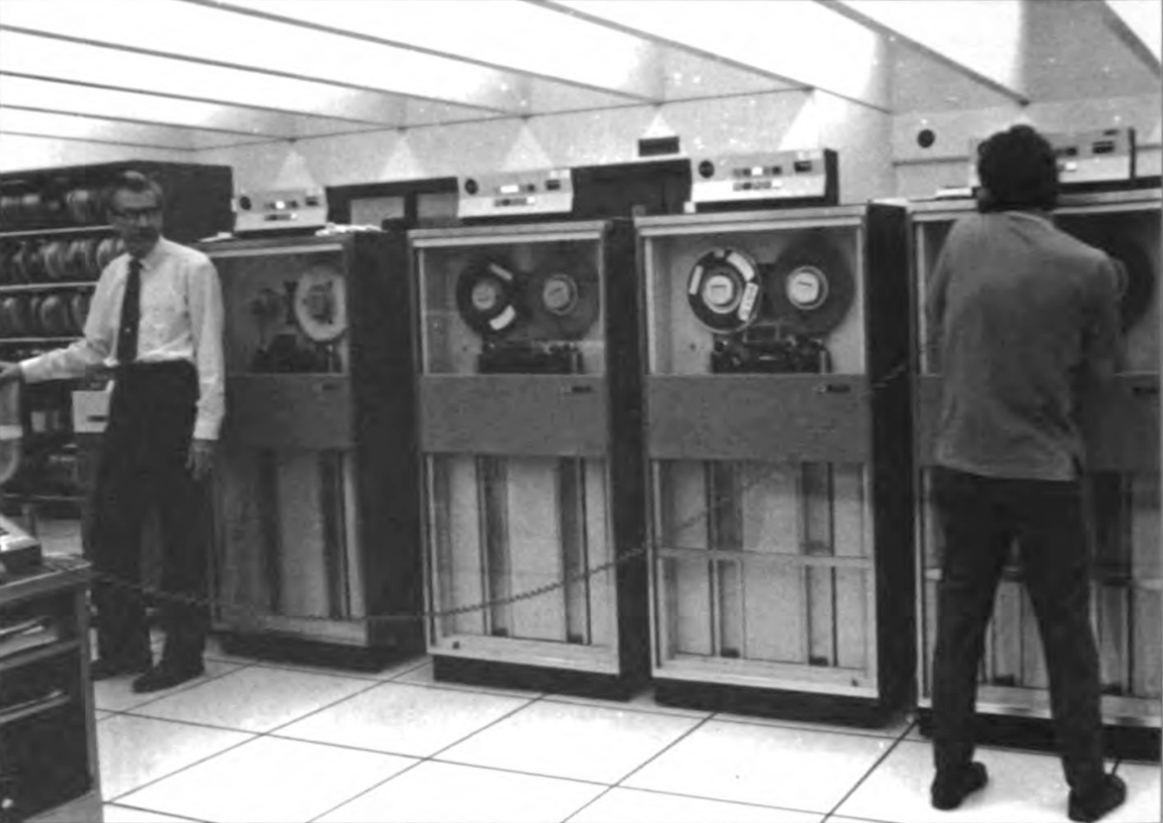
105,667
948,792
1109,795
166,676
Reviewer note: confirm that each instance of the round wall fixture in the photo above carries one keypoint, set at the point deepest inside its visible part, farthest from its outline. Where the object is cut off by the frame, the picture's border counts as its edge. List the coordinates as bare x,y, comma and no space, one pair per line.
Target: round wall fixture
563,296
321,304
724,290
810,286
486,294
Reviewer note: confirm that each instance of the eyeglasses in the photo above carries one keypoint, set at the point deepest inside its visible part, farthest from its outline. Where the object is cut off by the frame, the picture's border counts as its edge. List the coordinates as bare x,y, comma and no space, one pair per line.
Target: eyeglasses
132,215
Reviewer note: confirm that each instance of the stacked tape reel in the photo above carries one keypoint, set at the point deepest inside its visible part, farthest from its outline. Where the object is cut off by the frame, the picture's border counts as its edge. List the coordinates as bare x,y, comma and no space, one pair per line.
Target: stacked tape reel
81,259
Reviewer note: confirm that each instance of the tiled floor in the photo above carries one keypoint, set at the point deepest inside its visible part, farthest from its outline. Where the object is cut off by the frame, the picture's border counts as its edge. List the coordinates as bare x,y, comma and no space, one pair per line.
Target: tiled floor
256,741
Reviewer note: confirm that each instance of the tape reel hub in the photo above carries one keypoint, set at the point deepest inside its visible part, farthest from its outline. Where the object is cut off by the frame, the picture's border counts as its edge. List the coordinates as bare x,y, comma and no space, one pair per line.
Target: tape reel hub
807,288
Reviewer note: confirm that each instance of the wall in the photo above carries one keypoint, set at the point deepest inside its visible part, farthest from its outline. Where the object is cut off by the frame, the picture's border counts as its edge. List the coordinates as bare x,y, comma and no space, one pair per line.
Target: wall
20,152
789,119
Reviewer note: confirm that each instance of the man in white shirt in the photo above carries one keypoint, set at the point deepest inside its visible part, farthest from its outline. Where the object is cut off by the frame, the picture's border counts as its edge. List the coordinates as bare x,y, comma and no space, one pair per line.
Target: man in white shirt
156,321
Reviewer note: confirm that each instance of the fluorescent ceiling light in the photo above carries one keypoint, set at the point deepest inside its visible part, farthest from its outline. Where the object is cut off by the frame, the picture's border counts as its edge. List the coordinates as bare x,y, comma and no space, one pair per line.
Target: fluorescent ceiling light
48,57
1145,20
509,34
794,40
203,33
985,40
48,95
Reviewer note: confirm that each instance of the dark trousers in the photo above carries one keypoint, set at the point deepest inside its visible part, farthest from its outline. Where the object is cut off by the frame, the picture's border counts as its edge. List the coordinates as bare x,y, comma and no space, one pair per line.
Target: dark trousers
981,517
143,465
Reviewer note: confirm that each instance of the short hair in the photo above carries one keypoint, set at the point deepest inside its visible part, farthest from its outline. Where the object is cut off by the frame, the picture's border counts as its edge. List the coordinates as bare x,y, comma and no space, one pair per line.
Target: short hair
136,182
1019,170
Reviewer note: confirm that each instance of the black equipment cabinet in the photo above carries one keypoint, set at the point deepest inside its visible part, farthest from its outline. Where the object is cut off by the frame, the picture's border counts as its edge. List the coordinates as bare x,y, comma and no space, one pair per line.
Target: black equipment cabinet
1122,433
777,431
529,432
316,501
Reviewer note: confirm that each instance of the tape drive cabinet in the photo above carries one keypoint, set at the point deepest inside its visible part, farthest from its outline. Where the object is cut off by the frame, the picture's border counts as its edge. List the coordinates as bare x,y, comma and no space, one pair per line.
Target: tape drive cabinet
1122,434
776,435
529,451
316,506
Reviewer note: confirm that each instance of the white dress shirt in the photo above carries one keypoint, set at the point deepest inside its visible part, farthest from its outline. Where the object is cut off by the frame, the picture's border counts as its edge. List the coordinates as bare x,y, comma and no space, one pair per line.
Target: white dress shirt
181,319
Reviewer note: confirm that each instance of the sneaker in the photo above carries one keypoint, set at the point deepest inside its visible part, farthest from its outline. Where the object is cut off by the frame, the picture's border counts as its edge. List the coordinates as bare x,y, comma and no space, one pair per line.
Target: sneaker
947,793
1110,795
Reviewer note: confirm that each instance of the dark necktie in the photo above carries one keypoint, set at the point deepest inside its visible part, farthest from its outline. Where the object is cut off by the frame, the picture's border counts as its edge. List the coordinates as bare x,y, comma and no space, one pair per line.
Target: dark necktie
130,315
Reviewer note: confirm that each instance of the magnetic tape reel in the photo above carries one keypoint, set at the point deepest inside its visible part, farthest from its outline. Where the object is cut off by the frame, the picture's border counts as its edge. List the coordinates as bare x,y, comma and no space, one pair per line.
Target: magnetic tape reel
563,296
486,296
724,290
320,304
810,287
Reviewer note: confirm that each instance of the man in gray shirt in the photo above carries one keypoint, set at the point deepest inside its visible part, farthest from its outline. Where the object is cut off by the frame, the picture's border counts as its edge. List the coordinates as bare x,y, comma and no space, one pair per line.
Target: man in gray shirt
1022,320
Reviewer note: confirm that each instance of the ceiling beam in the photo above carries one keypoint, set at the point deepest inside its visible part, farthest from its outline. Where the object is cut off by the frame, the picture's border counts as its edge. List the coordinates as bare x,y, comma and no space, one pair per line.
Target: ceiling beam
983,43
503,35
789,41
1139,25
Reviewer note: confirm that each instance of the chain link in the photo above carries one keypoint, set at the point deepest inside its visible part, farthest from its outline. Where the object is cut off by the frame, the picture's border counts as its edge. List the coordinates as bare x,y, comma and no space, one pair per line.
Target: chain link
220,607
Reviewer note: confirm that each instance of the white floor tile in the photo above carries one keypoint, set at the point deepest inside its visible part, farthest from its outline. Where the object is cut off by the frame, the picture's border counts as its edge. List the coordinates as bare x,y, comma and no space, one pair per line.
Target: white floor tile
403,719
255,698
769,765
635,806
133,751
436,792
422,676
1022,786
568,740
269,779
123,814
115,693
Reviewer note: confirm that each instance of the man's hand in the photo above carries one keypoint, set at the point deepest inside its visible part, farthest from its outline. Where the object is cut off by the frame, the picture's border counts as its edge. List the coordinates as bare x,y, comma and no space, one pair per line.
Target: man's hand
201,459
10,372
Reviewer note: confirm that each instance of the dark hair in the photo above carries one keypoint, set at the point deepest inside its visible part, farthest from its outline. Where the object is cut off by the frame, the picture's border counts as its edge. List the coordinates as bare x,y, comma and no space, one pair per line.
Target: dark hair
136,182
1018,169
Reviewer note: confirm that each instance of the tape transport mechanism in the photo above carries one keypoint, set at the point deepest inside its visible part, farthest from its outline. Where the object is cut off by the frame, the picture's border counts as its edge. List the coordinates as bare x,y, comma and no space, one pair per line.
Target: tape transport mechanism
486,297
724,290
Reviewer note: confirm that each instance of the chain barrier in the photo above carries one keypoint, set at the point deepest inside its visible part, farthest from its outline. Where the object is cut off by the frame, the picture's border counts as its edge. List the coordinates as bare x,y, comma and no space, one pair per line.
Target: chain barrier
637,552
